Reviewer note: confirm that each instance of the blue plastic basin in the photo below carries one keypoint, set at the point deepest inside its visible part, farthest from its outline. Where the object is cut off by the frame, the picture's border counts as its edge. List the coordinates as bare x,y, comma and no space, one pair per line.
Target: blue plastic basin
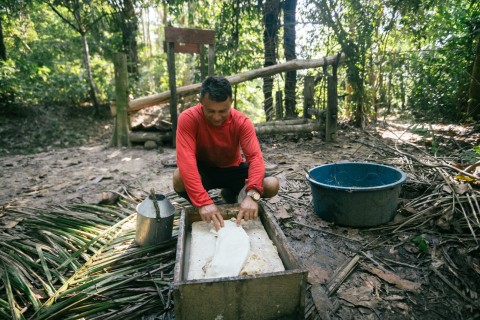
355,194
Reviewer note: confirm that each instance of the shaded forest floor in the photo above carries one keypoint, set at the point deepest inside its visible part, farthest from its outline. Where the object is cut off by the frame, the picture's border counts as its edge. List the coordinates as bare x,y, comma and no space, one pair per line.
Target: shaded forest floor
425,264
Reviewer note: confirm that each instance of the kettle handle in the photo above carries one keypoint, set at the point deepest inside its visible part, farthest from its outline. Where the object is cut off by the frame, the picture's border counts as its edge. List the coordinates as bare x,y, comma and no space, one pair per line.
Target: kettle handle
155,203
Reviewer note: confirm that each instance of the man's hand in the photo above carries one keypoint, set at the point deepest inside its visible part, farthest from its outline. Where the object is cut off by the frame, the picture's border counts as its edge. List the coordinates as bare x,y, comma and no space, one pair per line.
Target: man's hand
210,213
248,210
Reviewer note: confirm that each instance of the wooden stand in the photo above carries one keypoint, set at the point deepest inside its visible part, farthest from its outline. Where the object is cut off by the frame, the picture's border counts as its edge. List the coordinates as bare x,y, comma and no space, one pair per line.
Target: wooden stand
279,295
181,40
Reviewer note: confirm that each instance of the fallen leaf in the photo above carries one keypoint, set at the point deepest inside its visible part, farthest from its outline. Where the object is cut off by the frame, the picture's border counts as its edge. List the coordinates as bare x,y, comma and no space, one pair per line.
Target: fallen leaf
402,306
274,200
297,195
461,188
464,178
361,296
447,189
282,213
394,297
97,180
316,274
408,211
12,223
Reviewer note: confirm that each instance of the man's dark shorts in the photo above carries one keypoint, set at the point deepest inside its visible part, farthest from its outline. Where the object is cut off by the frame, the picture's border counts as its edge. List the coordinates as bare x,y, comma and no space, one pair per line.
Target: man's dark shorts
232,178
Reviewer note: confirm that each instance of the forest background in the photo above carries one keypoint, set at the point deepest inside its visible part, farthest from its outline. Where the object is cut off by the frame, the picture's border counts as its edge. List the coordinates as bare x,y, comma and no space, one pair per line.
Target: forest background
407,57
412,56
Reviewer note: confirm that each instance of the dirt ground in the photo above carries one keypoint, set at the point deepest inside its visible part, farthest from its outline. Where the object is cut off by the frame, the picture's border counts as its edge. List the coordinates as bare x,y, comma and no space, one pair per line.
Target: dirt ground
387,275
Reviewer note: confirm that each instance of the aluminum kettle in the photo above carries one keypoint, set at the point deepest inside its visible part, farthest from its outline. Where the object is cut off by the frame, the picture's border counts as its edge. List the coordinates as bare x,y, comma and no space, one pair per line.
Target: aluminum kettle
154,227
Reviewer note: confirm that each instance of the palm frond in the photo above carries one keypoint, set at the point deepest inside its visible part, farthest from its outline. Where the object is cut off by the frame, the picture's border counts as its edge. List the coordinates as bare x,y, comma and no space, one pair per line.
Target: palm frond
81,262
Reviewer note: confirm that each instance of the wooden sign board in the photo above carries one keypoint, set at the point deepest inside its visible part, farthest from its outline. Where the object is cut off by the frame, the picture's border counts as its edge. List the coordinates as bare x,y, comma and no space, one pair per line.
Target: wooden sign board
183,47
189,36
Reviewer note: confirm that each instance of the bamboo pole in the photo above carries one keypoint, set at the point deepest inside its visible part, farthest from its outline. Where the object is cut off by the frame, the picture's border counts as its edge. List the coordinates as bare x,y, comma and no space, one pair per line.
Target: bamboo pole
148,101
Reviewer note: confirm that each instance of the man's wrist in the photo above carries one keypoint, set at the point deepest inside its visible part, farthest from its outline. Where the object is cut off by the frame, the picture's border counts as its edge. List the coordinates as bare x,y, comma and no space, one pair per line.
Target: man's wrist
254,194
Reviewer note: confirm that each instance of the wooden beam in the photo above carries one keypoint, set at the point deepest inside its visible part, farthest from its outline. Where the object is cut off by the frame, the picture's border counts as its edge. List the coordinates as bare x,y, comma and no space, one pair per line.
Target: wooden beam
148,101
294,128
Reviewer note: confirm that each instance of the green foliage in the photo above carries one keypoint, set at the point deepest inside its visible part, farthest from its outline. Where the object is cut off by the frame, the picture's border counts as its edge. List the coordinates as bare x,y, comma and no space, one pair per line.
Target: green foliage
8,81
471,156
409,56
440,67
421,242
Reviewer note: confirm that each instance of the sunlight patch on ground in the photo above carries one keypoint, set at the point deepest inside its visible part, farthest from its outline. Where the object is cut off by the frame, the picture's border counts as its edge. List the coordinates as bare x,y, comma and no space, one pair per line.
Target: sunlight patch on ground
395,128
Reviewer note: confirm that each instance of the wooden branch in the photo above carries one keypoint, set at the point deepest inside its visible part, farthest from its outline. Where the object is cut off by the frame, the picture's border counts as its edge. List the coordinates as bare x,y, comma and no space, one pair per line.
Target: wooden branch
439,164
148,101
453,287
319,113
341,274
295,128
393,279
277,123
139,136
472,167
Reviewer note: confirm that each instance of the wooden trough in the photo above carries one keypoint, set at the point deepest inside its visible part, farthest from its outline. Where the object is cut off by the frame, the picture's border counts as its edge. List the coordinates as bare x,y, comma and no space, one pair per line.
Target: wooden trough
277,295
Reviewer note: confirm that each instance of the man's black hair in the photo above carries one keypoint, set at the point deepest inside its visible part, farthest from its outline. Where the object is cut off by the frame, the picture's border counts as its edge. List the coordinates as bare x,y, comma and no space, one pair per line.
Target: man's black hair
217,87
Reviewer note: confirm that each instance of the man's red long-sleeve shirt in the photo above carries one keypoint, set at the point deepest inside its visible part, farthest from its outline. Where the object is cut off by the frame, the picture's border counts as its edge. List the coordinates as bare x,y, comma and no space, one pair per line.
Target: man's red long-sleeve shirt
198,140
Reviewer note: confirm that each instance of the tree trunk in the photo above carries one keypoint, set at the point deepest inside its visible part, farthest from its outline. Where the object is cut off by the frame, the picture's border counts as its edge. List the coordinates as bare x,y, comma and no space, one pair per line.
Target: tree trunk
148,101
270,36
122,124
88,69
129,25
3,50
289,38
474,92
6,94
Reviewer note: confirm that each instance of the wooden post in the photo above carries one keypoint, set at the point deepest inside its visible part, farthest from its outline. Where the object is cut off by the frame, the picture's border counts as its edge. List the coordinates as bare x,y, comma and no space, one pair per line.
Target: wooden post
332,109
173,89
202,62
278,105
211,57
122,123
308,91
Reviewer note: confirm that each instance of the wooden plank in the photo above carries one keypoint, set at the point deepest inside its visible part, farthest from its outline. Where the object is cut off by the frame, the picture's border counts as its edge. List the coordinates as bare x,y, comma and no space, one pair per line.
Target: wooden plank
183,47
257,297
185,35
278,239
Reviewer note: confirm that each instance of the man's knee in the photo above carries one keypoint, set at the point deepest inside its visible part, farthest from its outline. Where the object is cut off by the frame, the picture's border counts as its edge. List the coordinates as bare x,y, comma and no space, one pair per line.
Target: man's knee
271,185
178,185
